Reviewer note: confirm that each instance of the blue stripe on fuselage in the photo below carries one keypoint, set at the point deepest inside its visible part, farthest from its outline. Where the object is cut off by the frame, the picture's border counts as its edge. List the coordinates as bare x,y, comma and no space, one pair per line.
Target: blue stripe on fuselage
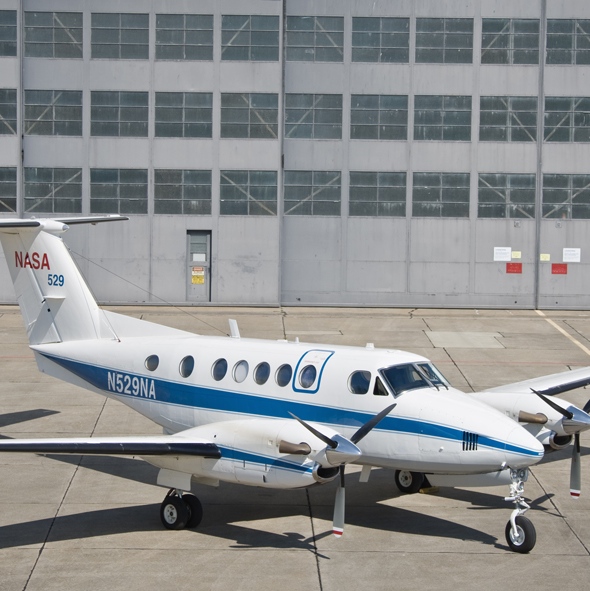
205,398
239,455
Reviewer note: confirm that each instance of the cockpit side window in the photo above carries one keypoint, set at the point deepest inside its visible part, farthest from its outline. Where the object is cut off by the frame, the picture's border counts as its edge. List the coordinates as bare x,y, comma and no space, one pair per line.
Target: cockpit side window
379,388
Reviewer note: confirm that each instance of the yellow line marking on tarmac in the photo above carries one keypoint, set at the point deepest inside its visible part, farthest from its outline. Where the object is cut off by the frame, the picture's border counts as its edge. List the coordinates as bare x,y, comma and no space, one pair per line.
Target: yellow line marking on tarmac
564,333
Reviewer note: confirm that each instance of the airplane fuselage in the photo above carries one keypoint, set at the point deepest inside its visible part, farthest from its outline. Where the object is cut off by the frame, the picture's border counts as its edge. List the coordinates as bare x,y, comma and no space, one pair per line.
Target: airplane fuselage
204,382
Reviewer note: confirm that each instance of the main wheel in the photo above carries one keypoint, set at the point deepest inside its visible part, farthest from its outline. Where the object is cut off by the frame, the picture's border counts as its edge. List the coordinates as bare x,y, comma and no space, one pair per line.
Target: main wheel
174,512
195,510
525,538
408,482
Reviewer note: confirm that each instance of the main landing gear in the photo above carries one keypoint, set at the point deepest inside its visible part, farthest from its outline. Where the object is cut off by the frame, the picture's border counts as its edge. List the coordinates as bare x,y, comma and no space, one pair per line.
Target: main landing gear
520,531
407,482
179,510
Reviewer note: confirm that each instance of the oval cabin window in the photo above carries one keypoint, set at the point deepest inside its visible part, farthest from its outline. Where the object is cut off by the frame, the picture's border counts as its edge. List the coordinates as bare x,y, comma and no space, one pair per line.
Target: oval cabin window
240,371
186,366
152,362
219,369
262,373
307,376
284,374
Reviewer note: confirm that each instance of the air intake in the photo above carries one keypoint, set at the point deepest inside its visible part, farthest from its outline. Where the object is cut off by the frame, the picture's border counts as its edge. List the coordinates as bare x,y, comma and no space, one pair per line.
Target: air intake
470,441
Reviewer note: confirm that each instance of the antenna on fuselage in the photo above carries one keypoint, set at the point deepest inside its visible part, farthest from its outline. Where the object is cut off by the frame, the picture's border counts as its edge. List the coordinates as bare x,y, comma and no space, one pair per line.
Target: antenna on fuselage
234,329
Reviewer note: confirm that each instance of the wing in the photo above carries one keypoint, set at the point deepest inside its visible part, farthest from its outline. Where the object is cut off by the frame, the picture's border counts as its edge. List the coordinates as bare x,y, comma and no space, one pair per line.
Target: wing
550,385
159,445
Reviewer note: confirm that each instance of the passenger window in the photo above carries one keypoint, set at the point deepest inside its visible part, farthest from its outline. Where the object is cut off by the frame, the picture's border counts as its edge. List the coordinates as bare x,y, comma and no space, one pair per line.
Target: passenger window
219,369
359,381
186,366
152,362
284,374
307,376
379,388
240,371
262,373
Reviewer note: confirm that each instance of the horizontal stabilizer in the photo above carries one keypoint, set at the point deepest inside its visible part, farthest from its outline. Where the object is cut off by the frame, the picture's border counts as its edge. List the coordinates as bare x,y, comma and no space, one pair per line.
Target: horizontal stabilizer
37,223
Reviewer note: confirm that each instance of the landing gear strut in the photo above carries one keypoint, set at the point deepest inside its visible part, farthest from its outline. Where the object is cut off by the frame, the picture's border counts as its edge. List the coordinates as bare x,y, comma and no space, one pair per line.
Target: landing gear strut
179,510
520,531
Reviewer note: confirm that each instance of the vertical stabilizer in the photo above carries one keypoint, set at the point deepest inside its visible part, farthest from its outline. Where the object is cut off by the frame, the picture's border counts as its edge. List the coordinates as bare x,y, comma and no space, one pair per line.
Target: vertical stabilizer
55,301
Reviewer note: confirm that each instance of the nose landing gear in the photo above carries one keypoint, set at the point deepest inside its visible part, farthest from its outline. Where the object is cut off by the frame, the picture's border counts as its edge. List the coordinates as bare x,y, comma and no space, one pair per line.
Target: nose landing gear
520,531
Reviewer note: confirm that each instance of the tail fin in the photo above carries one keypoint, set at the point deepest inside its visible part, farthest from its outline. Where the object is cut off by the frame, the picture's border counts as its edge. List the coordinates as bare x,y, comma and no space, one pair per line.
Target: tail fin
55,301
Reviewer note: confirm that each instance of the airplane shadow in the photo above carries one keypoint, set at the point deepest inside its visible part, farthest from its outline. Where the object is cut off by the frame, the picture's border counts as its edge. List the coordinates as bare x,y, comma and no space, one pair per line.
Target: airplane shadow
228,508
217,523
12,418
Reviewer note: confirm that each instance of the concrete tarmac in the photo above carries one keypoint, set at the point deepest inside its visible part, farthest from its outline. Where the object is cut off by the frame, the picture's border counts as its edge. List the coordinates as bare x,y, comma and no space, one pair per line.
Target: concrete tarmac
93,523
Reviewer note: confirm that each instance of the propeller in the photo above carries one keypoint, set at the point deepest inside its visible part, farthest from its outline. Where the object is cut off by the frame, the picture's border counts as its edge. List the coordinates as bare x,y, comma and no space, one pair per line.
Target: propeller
576,420
576,469
340,450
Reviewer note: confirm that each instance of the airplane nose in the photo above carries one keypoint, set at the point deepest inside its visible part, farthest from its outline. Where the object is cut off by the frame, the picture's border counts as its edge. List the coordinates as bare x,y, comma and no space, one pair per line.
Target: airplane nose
522,449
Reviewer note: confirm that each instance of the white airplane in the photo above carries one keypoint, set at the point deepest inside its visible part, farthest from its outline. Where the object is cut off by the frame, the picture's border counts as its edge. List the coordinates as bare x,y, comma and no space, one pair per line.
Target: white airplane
264,413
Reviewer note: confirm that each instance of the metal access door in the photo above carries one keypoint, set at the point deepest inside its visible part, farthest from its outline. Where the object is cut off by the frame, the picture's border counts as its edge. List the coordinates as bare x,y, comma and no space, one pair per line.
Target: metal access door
199,266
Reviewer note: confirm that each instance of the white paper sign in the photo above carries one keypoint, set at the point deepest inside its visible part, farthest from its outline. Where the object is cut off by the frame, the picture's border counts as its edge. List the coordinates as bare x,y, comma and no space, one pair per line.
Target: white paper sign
571,255
502,253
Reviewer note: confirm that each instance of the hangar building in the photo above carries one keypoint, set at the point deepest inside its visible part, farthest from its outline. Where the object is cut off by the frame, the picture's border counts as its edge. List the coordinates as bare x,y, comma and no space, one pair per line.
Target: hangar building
304,152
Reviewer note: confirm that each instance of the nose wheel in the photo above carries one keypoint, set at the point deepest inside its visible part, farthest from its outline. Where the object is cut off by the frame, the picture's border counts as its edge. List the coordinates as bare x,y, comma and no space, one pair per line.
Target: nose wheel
520,531
180,510
522,536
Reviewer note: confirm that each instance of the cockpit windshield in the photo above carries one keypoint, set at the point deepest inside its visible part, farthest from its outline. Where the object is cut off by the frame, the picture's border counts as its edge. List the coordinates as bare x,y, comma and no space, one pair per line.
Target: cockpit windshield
411,376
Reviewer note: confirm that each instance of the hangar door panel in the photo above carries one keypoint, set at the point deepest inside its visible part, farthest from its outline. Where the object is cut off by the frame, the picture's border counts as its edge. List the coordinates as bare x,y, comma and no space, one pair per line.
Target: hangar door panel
199,266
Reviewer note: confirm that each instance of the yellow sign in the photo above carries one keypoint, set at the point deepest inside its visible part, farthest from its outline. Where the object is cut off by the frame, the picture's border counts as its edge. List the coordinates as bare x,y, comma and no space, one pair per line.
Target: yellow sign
198,276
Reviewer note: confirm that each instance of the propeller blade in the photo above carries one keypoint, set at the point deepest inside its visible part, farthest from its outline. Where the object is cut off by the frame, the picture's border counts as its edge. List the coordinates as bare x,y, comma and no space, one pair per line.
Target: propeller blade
338,521
327,440
566,413
372,423
576,470
587,407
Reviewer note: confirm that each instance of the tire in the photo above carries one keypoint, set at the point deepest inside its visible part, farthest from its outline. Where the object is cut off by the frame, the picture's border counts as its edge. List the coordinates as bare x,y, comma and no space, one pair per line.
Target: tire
527,536
174,512
195,510
408,482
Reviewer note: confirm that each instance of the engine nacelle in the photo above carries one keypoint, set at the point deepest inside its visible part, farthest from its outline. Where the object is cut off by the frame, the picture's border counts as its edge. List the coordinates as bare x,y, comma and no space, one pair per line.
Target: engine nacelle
257,452
324,475
552,441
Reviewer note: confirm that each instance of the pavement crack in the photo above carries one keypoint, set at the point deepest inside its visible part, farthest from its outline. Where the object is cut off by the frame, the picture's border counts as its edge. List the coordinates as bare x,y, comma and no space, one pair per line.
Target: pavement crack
313,537
283,316
61,504
560,514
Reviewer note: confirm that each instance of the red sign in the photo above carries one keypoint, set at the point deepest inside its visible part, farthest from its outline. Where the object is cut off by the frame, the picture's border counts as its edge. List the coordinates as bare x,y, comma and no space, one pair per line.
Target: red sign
559,269
514,268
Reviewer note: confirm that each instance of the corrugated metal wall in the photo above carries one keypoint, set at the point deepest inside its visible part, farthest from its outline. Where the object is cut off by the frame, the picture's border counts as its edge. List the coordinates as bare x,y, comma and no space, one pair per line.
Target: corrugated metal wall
319,259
